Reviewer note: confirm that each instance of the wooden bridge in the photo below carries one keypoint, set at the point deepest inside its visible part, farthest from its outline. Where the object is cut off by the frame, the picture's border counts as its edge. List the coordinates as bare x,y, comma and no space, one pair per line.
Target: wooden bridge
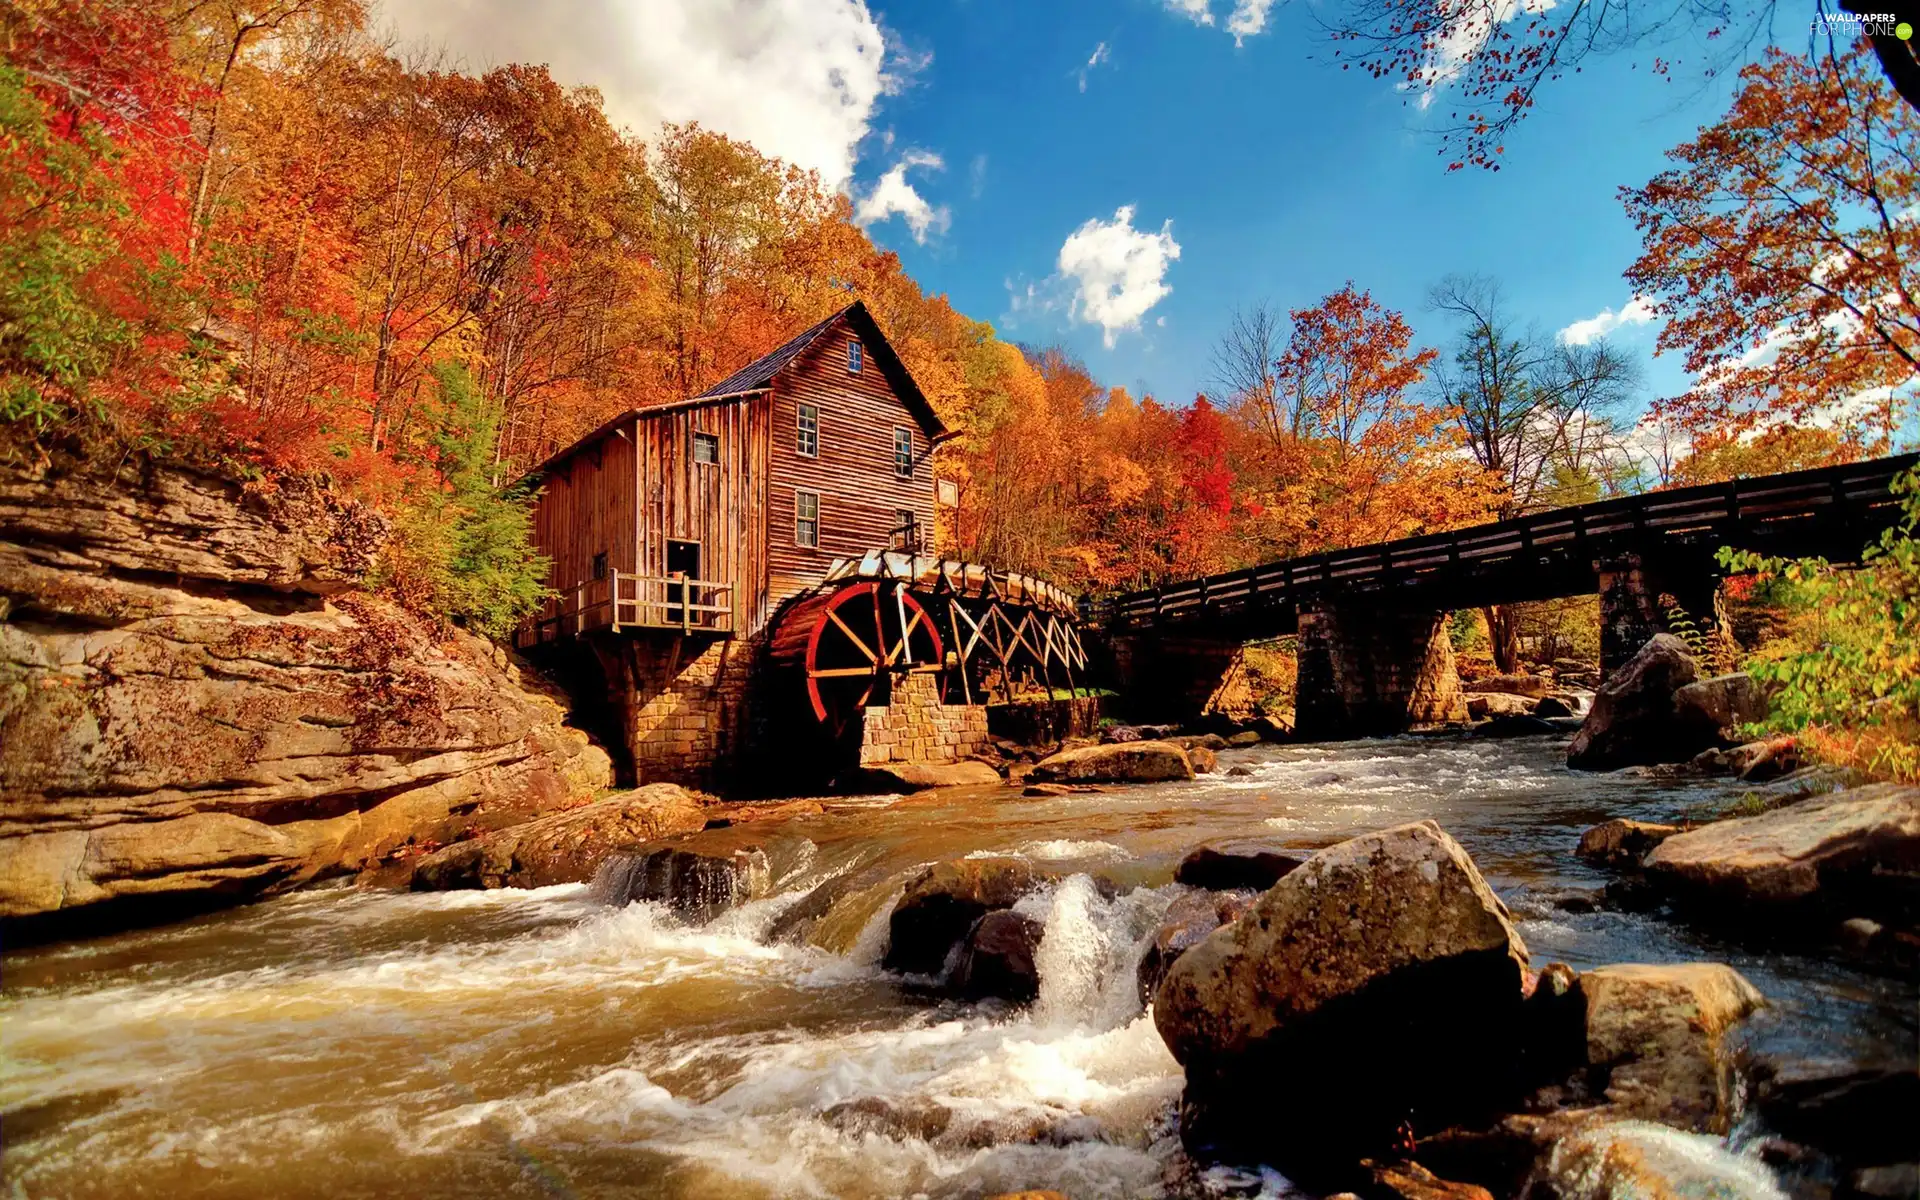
1830,511
1374,655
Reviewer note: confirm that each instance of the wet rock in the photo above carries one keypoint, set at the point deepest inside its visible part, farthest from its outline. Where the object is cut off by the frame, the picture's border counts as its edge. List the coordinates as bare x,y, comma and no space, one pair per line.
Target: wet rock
897,1119
1554,706
1205,741
1239,771
1553,1026
1204,761
1411,1181
566,847
1481,705
1622,843
1656,1034
1649,1162
917,777
1768,758
1530,686
1246,737
1231,866
1392,931
1046,789
998,958
1633,720
938,909
1855,852
1189,919
1895,1181
697,886
1721,703
1121,762
1860,1113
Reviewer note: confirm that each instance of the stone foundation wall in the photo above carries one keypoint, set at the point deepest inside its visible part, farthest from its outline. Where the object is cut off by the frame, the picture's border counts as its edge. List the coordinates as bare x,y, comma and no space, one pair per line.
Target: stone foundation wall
682,702
1365,672
915,727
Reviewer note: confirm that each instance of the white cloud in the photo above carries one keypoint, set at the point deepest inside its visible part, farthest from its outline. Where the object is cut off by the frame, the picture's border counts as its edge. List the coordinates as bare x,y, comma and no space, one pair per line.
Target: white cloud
1099,55
893,195
797,78
1249,19
1194,10
1469,24
1117,272
977,175
1637,311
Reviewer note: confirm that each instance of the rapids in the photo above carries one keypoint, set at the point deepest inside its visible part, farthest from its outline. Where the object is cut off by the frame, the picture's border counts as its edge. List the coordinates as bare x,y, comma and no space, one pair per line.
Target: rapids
340,1042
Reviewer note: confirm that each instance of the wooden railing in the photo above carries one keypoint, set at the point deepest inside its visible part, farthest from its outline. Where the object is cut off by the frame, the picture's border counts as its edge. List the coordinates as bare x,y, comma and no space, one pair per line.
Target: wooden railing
1830,511
625,600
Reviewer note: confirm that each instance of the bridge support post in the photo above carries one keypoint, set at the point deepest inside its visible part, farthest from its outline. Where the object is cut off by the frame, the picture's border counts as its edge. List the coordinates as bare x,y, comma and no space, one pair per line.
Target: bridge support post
1632,590
1179,679
1367,671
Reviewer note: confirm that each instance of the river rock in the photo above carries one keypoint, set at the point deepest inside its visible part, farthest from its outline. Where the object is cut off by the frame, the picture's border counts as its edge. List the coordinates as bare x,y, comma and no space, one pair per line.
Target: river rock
1644,1161
697,886
1531,686
1623,843
918,777
1721,703
1766,759
565,847
1411,1181
1555,706
938,909
1856,852
998,958
897,1119
1204,741
1189,919
1633,719
1481,705
1228,866
198,704
1655,1034
1120,762
1205,761
1860,1113
1245,738
1382,947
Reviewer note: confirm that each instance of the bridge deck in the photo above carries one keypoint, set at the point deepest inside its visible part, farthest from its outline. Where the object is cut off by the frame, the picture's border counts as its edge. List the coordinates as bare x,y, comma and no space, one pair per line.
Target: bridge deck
1830,511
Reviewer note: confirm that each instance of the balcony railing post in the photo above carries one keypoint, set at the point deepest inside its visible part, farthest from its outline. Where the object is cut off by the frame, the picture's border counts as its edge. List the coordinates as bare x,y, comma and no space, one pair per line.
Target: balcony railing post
686,603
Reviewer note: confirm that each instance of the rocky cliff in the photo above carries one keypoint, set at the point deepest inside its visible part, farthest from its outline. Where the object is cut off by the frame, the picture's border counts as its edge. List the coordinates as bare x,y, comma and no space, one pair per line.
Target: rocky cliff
198,704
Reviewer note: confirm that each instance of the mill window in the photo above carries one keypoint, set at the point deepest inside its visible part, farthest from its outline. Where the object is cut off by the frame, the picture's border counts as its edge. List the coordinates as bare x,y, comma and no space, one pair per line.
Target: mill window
706,447
856,357
806,518
903,453
809,431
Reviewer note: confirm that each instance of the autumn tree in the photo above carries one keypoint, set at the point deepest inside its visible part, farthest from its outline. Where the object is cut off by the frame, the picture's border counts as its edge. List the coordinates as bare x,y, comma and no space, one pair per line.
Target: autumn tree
1495,56
1781,249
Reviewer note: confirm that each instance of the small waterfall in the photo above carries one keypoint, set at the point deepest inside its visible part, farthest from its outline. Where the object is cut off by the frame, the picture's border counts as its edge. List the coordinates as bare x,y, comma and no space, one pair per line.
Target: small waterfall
698,887
1089,957
1639,1158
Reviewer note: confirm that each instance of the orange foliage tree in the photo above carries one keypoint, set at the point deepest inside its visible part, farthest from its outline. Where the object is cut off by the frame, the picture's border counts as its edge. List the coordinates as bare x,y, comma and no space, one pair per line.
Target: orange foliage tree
1781,249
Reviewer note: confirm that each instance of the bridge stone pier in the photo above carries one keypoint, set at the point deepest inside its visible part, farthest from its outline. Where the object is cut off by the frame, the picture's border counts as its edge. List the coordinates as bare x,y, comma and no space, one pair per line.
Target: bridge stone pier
1176,678
1631,588
1367,669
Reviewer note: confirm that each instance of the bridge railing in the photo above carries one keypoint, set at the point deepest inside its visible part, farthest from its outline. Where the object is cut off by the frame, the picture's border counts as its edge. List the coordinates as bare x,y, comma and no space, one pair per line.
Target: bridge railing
1855,496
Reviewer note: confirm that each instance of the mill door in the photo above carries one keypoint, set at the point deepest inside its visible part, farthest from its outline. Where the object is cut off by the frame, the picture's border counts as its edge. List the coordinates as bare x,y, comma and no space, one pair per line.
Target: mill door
683,558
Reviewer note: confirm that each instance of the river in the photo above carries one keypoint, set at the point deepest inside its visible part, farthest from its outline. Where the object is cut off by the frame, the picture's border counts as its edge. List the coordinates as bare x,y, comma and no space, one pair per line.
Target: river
339,1042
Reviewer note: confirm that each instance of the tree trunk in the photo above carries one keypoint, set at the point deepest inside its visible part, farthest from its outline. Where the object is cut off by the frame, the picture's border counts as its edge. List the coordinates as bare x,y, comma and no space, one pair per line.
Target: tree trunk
1503,636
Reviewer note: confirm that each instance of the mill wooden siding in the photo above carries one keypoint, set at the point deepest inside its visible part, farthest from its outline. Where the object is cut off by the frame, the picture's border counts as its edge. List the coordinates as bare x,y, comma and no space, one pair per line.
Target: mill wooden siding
586,507
853,474
715,504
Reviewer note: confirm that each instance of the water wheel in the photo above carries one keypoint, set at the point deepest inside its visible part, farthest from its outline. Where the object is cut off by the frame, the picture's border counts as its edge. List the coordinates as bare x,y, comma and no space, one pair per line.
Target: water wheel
847,645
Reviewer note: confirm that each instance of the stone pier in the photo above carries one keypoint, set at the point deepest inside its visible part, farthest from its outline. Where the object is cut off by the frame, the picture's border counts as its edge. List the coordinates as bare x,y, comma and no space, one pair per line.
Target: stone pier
1179,678
1367,671
679,704
915,727
1631,611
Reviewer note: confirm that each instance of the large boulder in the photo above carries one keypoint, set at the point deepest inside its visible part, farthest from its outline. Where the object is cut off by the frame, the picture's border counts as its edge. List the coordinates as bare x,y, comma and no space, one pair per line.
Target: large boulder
1721,703
1633,720
1481,705
1379,952
1656,1036
1855,852
697,886
940,905
198,705
918,777
564,847
1187,922
997,959
1118,762
1861,1113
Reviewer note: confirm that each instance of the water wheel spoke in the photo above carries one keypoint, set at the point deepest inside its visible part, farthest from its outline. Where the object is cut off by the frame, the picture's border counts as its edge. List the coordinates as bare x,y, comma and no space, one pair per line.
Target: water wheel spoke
852,636
839,672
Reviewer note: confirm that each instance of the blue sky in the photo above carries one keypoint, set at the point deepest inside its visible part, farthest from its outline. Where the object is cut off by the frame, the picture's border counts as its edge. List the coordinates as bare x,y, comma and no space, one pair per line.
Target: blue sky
961,130
1281,175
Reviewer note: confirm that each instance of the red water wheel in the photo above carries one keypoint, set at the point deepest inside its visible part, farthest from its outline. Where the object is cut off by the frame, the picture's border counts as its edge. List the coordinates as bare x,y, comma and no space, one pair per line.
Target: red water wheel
850,644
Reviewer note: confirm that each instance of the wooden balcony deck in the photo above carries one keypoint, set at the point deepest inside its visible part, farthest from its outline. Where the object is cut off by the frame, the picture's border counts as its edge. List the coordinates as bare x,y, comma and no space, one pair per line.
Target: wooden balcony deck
626,601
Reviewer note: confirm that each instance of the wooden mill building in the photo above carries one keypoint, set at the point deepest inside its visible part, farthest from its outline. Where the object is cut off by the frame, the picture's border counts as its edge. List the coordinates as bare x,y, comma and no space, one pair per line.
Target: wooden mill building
706,560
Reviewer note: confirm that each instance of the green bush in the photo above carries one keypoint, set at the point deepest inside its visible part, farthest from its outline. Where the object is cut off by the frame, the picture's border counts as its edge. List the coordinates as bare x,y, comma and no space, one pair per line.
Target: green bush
1844,673
464,551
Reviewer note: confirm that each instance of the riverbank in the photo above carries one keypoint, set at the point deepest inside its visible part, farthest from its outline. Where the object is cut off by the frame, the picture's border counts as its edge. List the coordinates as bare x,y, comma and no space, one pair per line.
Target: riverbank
510,1042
